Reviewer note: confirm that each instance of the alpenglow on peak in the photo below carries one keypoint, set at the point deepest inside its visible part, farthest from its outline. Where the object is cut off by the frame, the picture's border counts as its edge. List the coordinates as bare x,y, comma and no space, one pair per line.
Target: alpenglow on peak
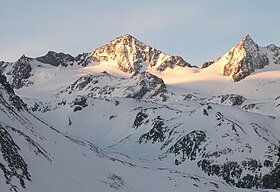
131,55
242,60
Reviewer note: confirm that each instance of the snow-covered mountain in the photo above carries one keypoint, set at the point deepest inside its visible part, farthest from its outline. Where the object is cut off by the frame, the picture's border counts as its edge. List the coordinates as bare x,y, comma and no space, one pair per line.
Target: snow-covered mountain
17,72
152,117
131,55
245,58
125,53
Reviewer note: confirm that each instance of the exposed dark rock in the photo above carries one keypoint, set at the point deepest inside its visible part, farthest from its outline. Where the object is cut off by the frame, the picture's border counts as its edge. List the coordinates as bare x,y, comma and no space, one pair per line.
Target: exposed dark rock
231,99
77,108
21,71
138,86
139,119
14,166
84,59
147,83
115,182
156,134
268,163
244,59
79,103
272,180
276,53
250,106
57,59
229,171
173,61
13,98
207,64
205,112
188,146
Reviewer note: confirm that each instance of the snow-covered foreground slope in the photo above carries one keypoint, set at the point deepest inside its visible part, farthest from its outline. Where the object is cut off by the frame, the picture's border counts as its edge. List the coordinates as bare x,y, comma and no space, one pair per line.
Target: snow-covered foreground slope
37,157
184,131
139,117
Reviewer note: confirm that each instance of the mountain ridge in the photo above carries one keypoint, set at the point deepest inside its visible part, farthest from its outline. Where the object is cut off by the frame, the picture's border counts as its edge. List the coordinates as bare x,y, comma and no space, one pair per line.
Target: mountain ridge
131,56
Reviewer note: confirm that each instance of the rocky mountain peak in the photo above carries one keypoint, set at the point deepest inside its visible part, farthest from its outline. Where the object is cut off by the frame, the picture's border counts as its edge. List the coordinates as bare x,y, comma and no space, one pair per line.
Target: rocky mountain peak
244,59
25,60
247,39
130,55
19,72
127,38
248,44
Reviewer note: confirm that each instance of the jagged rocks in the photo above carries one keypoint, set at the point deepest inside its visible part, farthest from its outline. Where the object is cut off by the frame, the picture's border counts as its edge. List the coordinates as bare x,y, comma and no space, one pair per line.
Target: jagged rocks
79,103
233,173
57,59
207,64
14,99
20,72
65,60
156,134
14,167
173,61
105,85
131,54
139,119
228,99
244,59
85,59
276,53
147,84
271,180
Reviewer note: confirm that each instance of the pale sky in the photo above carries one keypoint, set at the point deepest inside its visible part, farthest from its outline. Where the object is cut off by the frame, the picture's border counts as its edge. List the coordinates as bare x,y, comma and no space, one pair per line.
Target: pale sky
199,30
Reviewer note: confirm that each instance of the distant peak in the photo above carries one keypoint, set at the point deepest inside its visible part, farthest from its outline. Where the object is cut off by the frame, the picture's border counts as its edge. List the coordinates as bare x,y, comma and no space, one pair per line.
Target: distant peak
247,40
272,47
127,36
131,55
243,59
22,57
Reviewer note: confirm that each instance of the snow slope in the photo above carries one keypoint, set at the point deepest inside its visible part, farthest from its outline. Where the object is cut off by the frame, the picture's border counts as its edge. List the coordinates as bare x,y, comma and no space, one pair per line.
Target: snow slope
37,157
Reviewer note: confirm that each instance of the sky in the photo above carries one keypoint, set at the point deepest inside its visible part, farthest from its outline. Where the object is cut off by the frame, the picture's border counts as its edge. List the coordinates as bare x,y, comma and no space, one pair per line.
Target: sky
199,30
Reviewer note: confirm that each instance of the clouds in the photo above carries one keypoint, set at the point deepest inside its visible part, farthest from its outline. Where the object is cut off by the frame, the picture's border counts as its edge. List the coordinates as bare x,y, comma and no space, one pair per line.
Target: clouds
198,31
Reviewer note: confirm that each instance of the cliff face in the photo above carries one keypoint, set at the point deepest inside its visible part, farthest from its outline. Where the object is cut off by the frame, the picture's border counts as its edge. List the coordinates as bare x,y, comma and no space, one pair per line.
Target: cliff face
244,59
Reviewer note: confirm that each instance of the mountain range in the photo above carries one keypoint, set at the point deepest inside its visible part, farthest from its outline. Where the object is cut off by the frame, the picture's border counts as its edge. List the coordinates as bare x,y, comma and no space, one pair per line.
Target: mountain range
129,117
